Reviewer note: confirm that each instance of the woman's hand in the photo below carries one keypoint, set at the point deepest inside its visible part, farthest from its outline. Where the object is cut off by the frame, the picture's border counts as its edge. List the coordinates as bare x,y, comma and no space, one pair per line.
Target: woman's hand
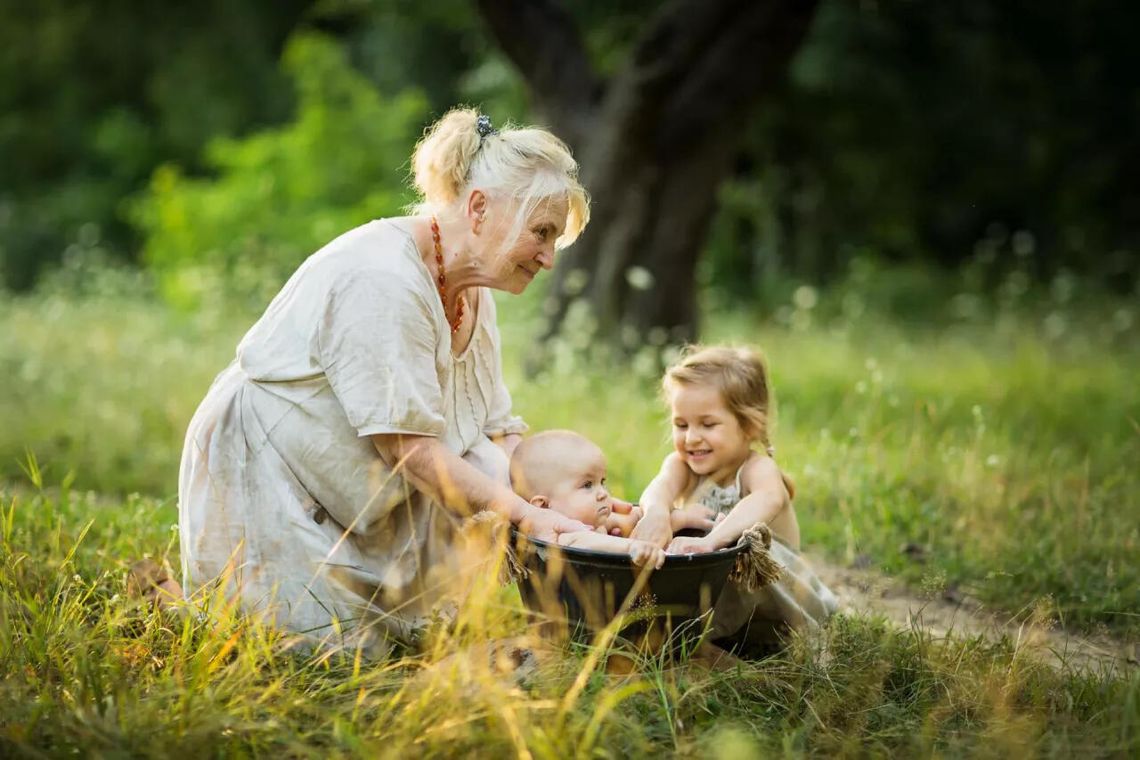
547,525
643,554
687,545
653,527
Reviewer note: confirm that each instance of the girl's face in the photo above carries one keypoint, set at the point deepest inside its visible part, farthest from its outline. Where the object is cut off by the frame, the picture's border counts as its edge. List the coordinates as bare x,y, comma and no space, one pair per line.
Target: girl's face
706,435
512,265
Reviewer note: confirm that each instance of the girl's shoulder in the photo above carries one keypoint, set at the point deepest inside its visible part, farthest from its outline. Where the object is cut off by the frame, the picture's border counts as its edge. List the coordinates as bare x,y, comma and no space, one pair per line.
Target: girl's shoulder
677,474
759,473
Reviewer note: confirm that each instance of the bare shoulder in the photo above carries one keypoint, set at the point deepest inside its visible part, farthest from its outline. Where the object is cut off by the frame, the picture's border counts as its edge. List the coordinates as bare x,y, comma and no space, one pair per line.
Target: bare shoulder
675,469
760,474
674,465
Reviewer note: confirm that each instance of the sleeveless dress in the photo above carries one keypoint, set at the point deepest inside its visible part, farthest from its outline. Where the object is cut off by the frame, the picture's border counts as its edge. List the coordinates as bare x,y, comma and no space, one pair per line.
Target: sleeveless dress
798,601
284,501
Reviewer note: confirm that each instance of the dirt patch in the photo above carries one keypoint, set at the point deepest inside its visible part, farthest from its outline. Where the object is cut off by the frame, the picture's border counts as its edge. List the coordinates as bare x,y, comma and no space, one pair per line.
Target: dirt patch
951,614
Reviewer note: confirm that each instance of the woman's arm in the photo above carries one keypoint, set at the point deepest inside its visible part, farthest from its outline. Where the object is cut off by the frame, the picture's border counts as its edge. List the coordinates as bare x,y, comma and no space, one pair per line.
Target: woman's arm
463,490
766,498
657,501
508,443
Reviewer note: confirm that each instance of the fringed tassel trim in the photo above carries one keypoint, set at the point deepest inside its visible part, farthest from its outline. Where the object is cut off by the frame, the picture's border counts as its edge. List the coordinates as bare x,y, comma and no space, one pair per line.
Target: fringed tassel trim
755,567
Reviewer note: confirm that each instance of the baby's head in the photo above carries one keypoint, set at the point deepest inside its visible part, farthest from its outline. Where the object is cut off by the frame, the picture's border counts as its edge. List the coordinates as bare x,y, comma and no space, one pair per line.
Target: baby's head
563,471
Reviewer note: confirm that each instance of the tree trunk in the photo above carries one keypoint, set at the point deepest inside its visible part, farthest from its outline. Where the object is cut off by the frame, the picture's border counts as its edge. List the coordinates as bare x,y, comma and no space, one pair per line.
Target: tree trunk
654,144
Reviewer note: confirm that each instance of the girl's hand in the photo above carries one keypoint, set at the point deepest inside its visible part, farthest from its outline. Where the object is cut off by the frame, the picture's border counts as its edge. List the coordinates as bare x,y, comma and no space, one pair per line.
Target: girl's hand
653,527
547,525
644,553
694,516
686,545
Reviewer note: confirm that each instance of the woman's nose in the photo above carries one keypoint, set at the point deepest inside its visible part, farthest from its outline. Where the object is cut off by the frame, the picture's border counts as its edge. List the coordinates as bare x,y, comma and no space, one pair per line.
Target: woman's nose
546,257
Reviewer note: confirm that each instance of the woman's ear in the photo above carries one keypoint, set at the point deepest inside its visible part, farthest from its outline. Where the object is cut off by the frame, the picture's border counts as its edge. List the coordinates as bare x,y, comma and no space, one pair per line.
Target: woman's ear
540,501
476,209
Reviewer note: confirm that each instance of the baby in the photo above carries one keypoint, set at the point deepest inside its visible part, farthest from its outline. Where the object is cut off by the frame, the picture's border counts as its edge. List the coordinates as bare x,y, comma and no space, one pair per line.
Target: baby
566,472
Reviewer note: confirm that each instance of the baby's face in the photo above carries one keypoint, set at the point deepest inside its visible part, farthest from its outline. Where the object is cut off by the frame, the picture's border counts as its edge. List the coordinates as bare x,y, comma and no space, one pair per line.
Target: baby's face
579,489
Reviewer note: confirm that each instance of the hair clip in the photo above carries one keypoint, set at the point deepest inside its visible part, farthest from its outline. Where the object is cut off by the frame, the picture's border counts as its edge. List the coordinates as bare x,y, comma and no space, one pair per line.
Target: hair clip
483,127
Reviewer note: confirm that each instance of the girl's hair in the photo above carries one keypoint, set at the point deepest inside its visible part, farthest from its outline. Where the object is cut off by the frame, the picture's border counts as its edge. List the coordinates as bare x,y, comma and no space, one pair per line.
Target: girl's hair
741,377
462,151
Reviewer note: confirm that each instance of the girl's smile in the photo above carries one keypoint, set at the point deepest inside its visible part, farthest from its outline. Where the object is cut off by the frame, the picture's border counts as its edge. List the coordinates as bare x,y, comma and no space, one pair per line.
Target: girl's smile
706,435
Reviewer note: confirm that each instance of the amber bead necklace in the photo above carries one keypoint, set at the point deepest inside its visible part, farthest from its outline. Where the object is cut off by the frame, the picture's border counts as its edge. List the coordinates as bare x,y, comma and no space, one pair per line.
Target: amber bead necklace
441,281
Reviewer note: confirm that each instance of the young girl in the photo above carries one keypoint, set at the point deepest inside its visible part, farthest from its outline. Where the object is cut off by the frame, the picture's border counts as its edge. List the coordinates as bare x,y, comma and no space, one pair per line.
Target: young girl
719,399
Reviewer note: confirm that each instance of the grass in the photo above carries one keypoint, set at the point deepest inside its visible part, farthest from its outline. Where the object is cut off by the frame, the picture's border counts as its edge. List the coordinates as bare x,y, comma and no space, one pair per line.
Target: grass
86,670
997,455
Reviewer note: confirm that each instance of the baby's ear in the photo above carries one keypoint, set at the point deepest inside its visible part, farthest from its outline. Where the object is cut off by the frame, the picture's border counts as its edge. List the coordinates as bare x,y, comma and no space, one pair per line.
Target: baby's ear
540,501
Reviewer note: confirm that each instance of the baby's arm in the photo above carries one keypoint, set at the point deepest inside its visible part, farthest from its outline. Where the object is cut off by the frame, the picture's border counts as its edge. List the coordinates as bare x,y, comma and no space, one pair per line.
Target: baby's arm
641,552
767,497
658,498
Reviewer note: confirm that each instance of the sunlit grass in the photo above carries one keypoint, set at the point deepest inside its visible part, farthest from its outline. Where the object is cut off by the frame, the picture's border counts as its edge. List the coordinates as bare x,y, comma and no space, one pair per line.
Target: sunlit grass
1001,457
1004,461
86,669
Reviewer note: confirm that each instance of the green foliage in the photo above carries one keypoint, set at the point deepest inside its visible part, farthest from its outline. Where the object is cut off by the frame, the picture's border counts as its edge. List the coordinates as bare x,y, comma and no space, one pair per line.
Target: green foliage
280,194
997,131
92,97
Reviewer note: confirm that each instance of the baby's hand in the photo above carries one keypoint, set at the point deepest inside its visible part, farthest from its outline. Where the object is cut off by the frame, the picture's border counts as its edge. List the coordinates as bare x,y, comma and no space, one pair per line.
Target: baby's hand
644,553
618,524
694,516
623,507
687,545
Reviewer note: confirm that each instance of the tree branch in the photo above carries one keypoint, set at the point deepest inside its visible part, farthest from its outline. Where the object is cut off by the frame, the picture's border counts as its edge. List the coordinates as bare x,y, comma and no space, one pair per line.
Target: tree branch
701,61
543,42
745,63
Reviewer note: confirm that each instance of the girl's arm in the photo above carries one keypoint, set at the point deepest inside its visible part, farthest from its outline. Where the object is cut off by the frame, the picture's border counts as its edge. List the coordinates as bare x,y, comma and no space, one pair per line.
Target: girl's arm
767,497
657,501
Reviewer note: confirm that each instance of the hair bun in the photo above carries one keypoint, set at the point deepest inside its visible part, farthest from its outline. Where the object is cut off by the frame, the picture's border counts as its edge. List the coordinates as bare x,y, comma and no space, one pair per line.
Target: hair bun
442,159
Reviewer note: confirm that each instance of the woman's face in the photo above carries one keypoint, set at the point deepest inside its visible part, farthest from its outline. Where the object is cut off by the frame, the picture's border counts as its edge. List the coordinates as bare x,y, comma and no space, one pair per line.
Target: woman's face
511,265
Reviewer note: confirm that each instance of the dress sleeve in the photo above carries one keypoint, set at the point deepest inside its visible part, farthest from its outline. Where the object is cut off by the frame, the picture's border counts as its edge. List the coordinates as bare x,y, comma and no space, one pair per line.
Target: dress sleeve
500,421
377,342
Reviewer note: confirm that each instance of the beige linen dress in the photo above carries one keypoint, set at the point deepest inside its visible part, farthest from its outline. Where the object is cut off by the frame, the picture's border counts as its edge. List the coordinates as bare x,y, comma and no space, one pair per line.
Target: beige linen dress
798,601
282,497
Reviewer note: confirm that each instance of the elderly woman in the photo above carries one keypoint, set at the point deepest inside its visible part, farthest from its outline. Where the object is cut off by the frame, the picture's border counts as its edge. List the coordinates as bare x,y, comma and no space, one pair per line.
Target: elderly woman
326,472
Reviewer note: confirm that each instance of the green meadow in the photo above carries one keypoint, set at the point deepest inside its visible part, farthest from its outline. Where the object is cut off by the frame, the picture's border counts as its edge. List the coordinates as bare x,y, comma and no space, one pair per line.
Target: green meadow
988,447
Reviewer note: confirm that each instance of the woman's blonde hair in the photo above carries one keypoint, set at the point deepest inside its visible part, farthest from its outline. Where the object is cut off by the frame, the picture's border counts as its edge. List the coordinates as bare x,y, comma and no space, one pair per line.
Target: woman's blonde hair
525,164
741,377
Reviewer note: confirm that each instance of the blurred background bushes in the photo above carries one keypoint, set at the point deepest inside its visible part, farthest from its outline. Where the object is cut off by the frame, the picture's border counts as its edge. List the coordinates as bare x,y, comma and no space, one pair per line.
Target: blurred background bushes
219,143
279,194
